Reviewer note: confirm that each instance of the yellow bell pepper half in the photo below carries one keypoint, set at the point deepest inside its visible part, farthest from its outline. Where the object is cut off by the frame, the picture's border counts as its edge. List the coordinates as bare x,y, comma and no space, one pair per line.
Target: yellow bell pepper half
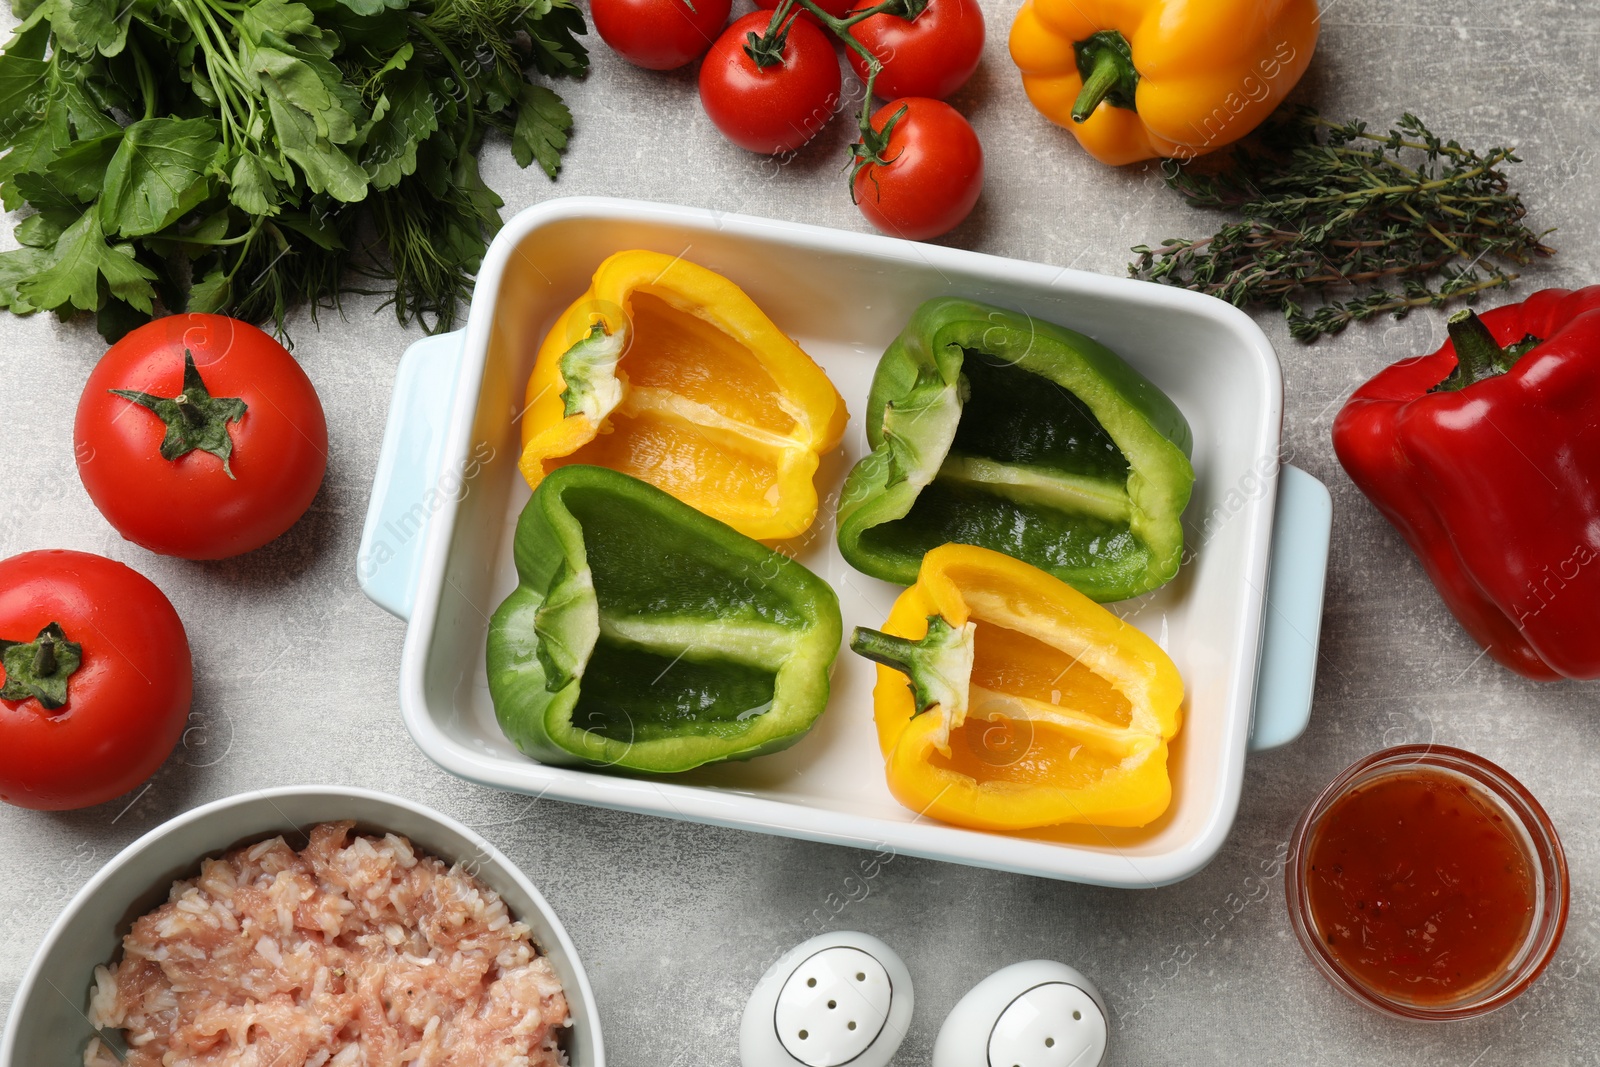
1029,705
1138,79
667,371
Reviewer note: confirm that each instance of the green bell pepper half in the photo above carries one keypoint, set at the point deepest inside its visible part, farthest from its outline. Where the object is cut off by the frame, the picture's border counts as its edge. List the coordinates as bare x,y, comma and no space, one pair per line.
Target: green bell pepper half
648,636
992,428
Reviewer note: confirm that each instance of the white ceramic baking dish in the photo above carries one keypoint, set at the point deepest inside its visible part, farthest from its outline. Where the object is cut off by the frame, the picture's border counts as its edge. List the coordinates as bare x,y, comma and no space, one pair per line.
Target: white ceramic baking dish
436,547
49,1021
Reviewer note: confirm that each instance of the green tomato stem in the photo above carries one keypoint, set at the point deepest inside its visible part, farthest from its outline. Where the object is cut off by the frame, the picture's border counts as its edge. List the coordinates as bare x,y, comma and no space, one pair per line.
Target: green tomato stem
44,657
41,668
194,418
766,49
190,413
841,29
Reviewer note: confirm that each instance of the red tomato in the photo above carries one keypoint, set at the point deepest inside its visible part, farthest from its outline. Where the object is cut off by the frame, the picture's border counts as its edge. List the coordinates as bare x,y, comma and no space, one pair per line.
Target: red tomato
931,55
125,700
200,505
659,34
776,108
931,174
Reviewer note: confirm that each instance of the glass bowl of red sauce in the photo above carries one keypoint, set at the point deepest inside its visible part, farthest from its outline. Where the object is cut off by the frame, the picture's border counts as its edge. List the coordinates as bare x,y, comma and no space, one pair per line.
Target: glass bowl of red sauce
1427,883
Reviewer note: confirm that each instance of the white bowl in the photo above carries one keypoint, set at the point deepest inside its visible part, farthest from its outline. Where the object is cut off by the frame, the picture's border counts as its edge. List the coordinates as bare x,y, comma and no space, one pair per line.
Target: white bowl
436,548
49,1025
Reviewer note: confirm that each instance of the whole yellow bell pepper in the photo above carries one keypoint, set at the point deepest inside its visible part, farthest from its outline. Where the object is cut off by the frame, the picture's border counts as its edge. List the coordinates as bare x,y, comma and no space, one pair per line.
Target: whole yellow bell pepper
667,371
1138,79
1028,704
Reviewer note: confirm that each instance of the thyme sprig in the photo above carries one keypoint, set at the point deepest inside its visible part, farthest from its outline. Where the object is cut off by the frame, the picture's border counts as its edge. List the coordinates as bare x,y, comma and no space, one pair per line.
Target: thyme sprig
1399,220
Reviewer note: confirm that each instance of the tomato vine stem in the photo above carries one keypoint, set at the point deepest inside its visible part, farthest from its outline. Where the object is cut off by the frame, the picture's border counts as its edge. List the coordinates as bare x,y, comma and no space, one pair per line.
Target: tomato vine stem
778,28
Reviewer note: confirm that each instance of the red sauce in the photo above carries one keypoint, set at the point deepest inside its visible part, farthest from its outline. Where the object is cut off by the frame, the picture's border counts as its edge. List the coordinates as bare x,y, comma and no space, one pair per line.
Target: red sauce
1419,886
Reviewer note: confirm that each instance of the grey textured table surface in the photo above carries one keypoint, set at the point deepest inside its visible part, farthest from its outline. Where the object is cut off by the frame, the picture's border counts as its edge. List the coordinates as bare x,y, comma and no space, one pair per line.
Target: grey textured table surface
296,671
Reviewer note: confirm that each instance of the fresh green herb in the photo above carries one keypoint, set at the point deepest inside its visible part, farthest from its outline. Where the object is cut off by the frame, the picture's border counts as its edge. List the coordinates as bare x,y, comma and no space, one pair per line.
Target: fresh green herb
1402,220
246,156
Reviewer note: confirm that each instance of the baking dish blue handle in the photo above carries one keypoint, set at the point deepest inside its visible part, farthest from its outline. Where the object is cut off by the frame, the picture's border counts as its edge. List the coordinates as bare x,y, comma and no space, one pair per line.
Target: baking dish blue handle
409,464
1288,669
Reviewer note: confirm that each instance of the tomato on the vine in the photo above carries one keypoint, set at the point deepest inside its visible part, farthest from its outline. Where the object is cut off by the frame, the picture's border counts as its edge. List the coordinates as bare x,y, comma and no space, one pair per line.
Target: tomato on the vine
932,54
199,436
771,94
920,173
97,679
659,34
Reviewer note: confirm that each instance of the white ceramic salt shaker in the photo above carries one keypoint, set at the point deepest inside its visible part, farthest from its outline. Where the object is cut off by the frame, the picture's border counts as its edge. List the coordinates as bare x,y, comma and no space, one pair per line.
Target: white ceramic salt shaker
1034,1014
839,998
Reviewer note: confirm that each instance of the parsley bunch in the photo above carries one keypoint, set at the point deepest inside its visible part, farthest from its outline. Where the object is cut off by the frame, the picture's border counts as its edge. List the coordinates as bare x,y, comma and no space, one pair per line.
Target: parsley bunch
244,156
1390,221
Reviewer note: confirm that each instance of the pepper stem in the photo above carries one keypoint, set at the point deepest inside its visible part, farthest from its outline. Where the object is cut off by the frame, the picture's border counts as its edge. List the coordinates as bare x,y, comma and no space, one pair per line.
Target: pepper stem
938,667
1104,77
887,649
1105,62
1478,355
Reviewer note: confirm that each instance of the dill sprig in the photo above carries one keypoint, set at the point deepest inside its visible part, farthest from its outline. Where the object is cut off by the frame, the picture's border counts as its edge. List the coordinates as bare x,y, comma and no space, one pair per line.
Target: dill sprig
1400,220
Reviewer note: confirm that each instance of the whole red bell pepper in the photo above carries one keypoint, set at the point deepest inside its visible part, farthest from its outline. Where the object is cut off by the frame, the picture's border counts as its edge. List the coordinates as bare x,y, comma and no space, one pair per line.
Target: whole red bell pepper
1485,455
